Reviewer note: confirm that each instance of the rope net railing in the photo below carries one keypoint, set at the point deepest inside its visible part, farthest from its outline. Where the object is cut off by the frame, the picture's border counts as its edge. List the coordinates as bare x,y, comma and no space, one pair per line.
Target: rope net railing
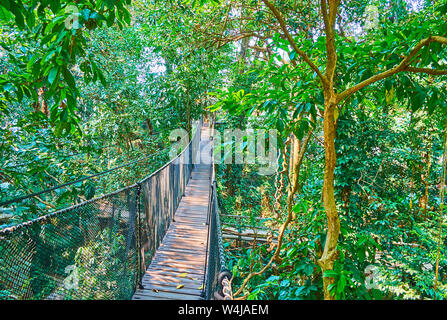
36,203
217,276
98,249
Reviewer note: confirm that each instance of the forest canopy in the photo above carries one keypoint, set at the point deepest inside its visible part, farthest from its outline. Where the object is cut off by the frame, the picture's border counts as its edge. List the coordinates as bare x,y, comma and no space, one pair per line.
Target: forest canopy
355,91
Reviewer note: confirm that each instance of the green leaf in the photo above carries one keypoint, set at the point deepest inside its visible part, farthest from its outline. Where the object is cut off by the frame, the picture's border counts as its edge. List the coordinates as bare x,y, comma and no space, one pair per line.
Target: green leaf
279,125
30,19
308,269
292,55
5,4
69,78
111,18
52,75
18,16
5,14
330,274
55,5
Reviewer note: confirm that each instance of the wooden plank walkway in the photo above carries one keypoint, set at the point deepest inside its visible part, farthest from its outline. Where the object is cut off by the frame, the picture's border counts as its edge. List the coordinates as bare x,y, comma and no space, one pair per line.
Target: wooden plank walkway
177,269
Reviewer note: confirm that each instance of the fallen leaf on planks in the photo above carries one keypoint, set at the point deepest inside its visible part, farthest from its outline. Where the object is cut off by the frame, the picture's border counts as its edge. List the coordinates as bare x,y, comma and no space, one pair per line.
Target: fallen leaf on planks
180,286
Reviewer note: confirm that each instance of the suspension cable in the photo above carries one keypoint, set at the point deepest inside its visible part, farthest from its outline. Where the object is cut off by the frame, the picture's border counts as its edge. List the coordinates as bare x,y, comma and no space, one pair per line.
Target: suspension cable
18,199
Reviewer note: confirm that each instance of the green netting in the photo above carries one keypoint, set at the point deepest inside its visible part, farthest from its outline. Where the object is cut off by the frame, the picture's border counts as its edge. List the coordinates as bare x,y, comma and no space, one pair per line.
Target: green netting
85,252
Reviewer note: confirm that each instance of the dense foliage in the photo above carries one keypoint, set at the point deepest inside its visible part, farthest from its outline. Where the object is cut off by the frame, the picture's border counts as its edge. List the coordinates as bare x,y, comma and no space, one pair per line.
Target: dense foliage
355,89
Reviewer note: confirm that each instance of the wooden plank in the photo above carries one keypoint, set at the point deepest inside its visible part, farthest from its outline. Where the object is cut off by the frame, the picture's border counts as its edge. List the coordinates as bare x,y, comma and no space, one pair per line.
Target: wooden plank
175,280
197,231
187,262
143,294
187,233
191,215
184,249
180,242
193,211
173,277
165,286
193,273
190,219
187,242
191,226
191,245
137,297
175,256
184,237
182,266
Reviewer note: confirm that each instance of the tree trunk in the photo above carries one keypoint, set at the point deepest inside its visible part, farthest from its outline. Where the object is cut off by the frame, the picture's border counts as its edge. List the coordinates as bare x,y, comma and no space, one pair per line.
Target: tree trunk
426,180
41,105
329,255
188,111
243,54
294,167
150,128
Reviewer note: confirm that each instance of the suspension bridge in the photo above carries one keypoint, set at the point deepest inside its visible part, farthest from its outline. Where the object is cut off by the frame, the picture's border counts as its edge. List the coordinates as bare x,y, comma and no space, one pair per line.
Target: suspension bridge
157,239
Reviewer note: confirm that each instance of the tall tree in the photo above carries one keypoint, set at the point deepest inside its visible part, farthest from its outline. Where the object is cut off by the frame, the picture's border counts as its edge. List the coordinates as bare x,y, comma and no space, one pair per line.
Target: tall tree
344,57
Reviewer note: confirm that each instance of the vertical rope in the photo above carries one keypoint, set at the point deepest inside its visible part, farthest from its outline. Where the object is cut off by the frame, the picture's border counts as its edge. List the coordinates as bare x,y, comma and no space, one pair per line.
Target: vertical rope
140,258
206,270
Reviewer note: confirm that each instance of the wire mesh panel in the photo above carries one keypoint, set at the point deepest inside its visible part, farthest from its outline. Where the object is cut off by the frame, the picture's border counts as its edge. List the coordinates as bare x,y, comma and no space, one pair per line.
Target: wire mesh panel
35,204
213,263
217,276
84,252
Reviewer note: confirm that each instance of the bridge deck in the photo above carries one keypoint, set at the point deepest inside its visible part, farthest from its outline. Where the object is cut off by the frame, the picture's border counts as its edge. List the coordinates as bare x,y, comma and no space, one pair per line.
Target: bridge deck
177,269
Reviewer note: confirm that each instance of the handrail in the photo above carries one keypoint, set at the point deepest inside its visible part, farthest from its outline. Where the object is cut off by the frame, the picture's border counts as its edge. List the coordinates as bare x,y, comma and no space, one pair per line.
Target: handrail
28,223
69,183
224,277
177,157
208,214
25,224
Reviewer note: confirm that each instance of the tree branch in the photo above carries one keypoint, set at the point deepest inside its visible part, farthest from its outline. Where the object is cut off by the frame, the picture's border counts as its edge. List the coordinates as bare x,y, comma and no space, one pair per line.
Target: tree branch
402,66
303,55
282,229
427,71
329,26
324,13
